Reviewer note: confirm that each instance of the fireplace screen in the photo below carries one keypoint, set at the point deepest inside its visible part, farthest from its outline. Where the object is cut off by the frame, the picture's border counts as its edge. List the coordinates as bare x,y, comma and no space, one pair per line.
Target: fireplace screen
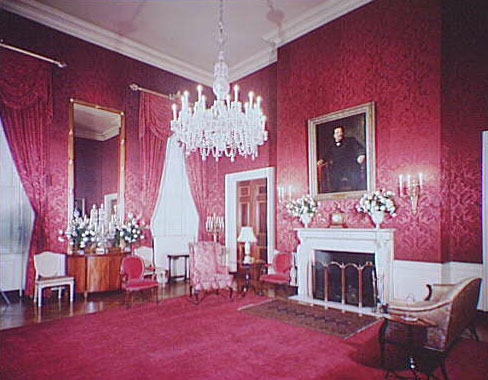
349,278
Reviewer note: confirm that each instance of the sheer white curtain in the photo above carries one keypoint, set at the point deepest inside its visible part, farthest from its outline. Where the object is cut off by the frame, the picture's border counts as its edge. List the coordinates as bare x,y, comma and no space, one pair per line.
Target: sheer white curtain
175,220
17,218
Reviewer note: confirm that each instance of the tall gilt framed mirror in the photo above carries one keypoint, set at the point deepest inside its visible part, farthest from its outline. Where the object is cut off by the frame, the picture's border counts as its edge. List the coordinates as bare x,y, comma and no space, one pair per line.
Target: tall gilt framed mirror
96,159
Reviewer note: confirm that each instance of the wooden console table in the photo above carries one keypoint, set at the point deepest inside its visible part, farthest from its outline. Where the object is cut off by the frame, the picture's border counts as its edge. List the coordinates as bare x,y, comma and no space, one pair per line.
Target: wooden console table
95,272
175,257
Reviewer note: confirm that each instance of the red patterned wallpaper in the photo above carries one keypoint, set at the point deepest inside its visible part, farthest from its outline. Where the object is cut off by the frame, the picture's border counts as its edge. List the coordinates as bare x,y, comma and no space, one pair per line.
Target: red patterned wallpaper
464,117
387,52
94,75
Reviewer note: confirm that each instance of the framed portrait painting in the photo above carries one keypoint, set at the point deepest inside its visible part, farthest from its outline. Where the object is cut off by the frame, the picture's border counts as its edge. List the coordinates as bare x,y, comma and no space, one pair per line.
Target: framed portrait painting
342,162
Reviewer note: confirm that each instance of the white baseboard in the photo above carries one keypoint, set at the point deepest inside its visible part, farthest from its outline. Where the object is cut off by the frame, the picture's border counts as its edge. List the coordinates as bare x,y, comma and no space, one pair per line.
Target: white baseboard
411,277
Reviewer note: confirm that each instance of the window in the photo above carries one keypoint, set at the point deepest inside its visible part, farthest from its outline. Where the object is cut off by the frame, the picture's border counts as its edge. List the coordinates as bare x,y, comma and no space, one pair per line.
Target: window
16,221
175,220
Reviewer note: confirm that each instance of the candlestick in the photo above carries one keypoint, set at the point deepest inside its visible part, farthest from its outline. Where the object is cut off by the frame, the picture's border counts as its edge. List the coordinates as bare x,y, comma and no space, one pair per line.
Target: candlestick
214,225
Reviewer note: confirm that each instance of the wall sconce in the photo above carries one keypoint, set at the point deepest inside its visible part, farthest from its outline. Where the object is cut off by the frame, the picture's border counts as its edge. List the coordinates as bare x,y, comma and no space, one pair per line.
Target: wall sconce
411,186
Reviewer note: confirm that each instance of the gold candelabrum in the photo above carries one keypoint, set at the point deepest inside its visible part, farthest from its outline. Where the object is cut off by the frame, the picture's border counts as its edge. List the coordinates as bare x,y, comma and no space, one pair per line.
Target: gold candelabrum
411,186
215,226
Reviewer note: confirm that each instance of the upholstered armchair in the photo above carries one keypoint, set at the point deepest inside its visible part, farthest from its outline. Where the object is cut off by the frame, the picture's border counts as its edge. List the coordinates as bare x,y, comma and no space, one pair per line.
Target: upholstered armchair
207,273
132,272
450,307
280,274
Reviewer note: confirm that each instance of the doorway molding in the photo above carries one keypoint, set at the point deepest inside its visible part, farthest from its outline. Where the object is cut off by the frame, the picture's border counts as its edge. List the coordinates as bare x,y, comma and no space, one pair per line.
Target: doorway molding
231,181
484,223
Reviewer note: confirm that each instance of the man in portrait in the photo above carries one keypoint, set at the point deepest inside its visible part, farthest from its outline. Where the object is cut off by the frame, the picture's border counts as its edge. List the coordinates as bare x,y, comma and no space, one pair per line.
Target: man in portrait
342,165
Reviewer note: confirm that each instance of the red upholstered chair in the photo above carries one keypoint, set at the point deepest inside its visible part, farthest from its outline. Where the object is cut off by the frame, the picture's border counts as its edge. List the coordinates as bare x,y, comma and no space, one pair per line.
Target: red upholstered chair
132,272
206,271
281,267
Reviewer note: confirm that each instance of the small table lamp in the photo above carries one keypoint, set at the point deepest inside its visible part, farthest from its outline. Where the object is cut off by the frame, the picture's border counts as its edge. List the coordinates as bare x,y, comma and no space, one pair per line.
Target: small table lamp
247,237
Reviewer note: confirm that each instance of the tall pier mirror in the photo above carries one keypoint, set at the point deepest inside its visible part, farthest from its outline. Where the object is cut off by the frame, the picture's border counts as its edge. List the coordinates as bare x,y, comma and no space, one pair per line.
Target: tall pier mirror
96,167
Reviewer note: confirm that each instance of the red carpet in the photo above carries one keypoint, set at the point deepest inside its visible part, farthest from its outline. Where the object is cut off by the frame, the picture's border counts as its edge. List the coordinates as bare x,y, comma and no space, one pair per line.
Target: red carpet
178,340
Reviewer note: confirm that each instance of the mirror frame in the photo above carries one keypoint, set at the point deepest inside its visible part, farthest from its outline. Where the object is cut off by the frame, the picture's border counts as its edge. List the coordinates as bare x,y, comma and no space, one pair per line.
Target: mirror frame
71,156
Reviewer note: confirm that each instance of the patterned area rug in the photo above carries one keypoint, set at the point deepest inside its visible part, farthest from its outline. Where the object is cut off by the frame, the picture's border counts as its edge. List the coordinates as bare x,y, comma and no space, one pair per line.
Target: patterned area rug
329,321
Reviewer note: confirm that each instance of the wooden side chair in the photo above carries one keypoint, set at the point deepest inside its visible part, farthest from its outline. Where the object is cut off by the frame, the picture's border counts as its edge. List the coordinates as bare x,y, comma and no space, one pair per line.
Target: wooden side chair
132,273
51,273
279,276
147,255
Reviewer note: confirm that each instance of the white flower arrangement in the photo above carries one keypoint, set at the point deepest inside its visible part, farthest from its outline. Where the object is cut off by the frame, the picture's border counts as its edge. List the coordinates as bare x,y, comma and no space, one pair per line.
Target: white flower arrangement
80,233
303,205
380,200
131,230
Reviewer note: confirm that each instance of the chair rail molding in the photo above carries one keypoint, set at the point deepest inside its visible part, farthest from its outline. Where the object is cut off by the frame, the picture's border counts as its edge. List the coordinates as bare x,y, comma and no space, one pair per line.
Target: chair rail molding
231,181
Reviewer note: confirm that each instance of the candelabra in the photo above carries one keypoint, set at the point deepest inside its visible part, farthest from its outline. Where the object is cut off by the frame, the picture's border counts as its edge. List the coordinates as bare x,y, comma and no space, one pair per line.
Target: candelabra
284,193
411,186
215,226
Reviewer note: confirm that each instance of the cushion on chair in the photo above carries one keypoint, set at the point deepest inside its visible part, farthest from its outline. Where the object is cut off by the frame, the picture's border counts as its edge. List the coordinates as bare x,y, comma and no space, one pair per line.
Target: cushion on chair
139,284
276,278
206,273
453,309
133,267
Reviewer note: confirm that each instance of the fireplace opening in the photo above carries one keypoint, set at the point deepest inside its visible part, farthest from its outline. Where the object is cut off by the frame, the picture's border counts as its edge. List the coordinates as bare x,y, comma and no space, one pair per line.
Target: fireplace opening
345,277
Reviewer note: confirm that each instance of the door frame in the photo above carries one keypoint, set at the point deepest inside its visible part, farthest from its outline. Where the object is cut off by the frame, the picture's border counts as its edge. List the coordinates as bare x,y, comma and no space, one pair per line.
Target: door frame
231,210
484,198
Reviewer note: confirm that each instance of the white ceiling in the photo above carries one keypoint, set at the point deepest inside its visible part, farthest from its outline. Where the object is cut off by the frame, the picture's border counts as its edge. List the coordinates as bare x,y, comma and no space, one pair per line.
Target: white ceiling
179,35
94,123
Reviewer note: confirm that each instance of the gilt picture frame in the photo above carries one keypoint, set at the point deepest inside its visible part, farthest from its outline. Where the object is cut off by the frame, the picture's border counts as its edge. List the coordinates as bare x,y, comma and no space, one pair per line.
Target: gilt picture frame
342,158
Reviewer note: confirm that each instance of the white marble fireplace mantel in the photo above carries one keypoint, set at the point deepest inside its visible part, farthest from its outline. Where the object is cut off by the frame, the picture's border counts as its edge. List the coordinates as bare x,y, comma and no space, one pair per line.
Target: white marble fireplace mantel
379,242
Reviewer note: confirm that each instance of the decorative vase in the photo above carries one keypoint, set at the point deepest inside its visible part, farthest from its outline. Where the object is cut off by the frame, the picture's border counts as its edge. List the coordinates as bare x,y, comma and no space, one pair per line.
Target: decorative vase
377,216
306,219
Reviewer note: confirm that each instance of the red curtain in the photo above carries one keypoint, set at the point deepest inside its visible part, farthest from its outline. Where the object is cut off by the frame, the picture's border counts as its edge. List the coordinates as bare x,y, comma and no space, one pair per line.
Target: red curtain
198,176
26,110
155,114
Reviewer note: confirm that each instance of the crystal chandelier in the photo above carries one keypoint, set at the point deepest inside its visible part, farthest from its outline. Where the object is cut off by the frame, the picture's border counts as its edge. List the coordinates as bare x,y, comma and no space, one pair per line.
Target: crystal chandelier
227,127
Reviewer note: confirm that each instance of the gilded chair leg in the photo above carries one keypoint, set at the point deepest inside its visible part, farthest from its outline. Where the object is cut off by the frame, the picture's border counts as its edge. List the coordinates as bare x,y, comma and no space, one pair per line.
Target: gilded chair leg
127,299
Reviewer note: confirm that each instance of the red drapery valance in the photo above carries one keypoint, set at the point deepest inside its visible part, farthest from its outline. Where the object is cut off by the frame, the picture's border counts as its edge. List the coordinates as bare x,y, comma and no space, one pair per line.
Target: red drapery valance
26,110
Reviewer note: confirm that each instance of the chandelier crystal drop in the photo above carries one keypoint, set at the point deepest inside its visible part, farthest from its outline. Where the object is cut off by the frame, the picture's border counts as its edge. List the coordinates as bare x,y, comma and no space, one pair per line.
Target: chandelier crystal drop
226,128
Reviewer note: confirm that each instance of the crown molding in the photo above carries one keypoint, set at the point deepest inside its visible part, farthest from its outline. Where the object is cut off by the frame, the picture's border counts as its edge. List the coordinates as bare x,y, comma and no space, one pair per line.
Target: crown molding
65,23
295,28
252,64
312,19
92,135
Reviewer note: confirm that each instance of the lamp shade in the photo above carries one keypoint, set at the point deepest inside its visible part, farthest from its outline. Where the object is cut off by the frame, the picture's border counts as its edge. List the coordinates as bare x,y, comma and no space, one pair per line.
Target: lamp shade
247,235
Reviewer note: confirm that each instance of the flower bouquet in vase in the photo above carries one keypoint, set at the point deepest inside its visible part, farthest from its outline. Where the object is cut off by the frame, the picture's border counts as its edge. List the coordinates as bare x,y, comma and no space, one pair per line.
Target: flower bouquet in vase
377,204
130,232
303,208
